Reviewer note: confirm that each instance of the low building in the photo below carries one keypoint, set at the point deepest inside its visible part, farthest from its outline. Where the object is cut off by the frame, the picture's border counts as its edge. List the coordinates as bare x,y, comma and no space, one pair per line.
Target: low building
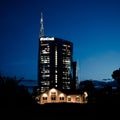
56,96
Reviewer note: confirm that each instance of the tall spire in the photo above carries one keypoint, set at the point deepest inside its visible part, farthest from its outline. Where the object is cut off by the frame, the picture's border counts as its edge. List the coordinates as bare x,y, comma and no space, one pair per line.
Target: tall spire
41,26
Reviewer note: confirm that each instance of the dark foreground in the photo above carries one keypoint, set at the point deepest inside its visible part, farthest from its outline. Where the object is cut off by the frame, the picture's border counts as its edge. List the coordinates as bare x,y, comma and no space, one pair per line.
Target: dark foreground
62,111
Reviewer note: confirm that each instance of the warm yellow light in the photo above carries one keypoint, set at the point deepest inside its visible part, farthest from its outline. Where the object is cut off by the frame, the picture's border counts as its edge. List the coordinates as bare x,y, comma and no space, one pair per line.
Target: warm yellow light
61,95
53,90
44,95
85,93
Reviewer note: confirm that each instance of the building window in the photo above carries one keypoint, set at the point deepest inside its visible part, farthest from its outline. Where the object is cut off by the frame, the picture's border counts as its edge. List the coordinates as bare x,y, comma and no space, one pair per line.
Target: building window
44,98
53,93
53,98
69,98
77,98
61,98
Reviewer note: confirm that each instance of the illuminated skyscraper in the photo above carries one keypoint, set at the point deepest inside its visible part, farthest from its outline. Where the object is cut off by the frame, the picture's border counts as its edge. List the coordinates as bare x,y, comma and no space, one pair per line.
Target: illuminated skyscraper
54,63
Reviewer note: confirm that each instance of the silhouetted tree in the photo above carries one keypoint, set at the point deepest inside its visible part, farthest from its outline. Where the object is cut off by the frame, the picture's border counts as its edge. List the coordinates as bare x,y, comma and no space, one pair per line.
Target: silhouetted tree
12,94
116,75
87,85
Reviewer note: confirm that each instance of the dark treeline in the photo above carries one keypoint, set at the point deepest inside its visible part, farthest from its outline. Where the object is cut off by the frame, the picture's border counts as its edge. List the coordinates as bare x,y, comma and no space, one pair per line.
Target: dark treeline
12,94
105,95
109,94
16,99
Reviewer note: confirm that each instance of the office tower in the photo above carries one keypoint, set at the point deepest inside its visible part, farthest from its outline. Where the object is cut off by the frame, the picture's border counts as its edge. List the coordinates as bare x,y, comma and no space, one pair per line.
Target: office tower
54,62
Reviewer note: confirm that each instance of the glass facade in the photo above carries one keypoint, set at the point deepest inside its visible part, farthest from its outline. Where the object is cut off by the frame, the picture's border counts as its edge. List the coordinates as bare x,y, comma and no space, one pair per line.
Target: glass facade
54,63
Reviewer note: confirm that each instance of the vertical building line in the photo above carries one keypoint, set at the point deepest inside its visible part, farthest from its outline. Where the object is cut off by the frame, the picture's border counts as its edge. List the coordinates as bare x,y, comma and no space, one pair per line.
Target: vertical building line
41,26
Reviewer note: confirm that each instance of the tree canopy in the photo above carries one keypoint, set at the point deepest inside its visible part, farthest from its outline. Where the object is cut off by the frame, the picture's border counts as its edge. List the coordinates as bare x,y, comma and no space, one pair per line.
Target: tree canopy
13,94
116,75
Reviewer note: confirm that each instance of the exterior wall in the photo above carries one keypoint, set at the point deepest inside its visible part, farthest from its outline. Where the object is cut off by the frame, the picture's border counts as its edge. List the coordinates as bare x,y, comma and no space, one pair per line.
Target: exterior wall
75,98
55,96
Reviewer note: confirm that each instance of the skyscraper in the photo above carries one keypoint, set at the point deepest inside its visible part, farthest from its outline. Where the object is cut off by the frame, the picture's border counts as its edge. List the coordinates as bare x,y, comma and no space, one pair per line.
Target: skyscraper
55,62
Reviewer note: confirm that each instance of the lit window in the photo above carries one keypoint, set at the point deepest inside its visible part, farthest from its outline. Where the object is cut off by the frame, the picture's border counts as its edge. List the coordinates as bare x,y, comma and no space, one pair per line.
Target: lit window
77,98
69,98
53,93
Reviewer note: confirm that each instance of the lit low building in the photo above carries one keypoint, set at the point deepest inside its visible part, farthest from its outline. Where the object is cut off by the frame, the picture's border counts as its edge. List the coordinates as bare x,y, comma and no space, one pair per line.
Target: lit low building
56,96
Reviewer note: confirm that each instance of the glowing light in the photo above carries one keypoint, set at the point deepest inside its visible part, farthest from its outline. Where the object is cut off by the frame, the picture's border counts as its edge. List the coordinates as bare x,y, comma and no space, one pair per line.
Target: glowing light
85,93
44,95
61,95
47,38
53,90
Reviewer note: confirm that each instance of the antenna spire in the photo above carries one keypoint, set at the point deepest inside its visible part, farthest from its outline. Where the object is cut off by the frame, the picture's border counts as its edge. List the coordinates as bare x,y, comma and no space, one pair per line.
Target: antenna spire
41,26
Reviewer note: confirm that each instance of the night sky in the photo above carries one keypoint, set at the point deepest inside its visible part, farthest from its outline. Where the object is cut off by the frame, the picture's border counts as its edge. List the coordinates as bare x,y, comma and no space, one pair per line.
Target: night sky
92,25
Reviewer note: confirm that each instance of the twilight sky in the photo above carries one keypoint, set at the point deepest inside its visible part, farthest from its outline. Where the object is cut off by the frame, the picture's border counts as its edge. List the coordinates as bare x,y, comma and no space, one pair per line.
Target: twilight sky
92,25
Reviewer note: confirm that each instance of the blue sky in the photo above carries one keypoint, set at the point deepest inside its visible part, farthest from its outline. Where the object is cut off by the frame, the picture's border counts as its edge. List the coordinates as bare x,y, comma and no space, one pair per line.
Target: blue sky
92,25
